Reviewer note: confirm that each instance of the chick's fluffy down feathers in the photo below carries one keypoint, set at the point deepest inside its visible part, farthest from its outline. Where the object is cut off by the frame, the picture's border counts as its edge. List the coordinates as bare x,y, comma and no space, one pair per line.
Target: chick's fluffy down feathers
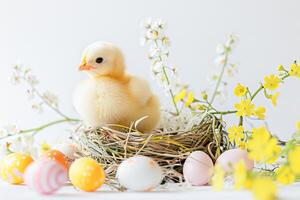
115,99
108,101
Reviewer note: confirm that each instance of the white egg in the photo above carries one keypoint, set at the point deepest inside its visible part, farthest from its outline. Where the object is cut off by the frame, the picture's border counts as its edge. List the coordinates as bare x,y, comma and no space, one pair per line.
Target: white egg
139,173
68,150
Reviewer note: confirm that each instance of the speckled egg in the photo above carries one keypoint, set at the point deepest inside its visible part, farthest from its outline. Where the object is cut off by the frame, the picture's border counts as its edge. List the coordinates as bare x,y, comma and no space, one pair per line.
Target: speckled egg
86,174
13,167
68,150
139,173
57,156
45,176
198,168
227,159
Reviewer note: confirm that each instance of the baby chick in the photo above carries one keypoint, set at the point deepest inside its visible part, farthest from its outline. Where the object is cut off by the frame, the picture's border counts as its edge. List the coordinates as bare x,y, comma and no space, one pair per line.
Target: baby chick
109,95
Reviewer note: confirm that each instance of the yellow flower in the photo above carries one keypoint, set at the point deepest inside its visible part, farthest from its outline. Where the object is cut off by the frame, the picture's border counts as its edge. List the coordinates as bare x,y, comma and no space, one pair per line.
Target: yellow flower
295,70
264,188
190,99
284,175
240,90
262,146
236,134
244,108
218,178
271,82
180,96
298,126
259,112
242,145
240,175
280,68
274,98
294,161
45,147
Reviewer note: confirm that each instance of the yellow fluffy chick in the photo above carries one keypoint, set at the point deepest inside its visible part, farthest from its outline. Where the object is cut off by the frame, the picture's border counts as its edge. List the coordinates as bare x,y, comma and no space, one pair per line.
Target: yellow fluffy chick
109,95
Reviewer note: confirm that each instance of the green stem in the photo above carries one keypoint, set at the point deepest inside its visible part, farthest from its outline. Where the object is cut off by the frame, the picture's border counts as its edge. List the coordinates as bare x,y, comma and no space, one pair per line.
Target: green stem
219,79
37,129
241,121
256,92
171,92
224,112
42,127
285,76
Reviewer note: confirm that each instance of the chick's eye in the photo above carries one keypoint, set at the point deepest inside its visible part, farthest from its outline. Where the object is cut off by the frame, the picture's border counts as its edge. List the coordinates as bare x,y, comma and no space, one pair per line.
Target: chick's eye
99,60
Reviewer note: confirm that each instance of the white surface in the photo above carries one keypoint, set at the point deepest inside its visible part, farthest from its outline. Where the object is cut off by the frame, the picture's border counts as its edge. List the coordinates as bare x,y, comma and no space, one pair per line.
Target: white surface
13,192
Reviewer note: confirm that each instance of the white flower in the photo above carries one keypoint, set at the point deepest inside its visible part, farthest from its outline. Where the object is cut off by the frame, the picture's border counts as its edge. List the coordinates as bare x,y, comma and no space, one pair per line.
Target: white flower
231,39
32,80
220,49
220,60
147,23
15,78
15,144
51,99
38,108
27,139
30,94
12,129
231,70
3,132
155,52
157,66
152,34
165,41
18,67
159,24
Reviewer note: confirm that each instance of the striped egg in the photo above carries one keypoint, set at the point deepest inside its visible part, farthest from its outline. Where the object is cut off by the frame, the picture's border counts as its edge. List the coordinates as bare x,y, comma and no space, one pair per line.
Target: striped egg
45,176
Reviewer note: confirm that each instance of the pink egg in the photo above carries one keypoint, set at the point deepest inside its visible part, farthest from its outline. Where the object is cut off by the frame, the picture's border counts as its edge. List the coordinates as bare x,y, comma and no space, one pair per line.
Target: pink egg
45,176
232,156
198,168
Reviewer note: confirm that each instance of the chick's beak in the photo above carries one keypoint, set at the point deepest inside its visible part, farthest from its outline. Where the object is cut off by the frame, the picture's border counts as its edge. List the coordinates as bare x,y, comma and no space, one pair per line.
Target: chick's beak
84,66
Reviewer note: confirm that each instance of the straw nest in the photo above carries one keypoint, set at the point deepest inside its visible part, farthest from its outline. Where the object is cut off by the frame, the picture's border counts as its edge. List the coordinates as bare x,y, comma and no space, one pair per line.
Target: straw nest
170,149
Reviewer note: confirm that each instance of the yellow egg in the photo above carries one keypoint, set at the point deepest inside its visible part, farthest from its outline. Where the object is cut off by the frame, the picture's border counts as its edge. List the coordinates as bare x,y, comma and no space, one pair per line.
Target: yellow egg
86,174
13,167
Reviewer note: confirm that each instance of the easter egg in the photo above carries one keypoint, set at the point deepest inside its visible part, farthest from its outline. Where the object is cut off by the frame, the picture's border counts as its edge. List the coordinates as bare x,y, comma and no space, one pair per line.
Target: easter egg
45,176
68,150
13,167
198,168
86,174
57,156
139,173
227,159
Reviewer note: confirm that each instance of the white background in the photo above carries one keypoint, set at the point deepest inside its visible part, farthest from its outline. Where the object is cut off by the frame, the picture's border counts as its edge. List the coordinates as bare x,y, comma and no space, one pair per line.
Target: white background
50,35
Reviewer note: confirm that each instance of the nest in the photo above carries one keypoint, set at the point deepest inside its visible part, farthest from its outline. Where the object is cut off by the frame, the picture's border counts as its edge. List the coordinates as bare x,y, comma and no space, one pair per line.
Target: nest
110,146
